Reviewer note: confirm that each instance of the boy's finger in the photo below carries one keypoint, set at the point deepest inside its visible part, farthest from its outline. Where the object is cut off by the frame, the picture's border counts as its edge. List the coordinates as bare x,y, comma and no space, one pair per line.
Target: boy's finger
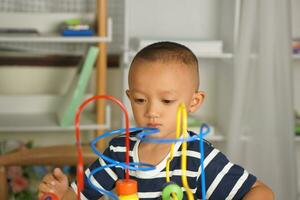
49,180
59,175
44,188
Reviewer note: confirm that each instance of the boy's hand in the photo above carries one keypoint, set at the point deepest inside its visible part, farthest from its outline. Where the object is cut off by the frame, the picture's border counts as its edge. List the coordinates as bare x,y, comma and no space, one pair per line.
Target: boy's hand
56,183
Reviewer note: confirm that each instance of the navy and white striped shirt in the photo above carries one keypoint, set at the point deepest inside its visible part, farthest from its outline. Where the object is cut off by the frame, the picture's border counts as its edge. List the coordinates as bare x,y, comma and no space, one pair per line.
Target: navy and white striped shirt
224,180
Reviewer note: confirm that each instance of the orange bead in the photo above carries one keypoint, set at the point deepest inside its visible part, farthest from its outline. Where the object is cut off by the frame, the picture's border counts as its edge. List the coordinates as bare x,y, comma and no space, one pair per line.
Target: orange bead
126,187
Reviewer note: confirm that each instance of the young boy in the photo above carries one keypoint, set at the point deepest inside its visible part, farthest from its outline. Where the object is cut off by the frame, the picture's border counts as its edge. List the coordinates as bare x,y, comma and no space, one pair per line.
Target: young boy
162,76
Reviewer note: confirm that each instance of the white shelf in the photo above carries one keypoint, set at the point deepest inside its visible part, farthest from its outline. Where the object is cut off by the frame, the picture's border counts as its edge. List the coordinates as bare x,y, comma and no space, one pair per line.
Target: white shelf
130,54
216,55
44,122
29,113
214,136
203,55
56,38
296,56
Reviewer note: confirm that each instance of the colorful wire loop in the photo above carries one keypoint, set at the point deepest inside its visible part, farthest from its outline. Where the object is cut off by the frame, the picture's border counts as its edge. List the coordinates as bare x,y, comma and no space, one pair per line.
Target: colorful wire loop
181,129
80,175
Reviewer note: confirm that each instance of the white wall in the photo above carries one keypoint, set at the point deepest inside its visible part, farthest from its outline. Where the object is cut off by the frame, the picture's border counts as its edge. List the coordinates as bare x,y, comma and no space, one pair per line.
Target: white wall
193,19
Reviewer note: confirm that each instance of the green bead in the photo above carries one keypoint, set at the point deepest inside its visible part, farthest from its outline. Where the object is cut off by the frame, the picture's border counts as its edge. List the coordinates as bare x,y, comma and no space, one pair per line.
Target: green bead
172,188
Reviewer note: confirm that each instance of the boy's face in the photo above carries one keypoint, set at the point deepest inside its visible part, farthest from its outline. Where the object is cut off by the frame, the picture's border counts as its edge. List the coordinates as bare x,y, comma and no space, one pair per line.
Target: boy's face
155,91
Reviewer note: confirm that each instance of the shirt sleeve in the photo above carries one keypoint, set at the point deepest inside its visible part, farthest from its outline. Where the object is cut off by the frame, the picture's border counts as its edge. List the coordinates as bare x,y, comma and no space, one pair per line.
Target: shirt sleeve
223,179
103,179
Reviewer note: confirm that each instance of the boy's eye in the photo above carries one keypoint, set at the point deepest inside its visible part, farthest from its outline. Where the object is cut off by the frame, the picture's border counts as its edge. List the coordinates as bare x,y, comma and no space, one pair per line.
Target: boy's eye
167,101
139,100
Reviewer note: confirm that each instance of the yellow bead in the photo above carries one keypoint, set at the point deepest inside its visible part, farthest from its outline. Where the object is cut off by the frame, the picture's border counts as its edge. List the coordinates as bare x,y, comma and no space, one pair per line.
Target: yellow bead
129,197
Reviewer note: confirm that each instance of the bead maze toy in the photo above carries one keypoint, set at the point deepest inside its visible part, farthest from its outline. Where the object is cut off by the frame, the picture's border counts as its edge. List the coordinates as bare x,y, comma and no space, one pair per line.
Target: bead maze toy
127,188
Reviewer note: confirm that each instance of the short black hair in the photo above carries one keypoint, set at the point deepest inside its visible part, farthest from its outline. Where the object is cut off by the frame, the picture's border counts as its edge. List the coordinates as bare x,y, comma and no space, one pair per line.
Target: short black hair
166,51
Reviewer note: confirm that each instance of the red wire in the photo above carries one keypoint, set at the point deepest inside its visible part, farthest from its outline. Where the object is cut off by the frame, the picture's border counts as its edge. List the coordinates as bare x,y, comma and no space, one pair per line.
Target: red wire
80,176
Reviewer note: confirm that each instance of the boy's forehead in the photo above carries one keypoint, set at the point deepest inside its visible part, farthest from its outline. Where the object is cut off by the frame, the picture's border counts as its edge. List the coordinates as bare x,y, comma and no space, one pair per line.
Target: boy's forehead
162,91
158,71
142,64
164,75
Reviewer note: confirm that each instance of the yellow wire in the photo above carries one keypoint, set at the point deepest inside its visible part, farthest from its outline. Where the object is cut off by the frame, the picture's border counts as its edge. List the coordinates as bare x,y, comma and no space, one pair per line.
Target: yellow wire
171,158
168,163
168,169
181,117
182,111
172,146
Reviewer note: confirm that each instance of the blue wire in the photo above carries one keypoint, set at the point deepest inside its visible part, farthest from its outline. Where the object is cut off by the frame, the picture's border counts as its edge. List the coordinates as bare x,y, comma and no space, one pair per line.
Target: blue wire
201,134
144,166
113,163
142,137
102,191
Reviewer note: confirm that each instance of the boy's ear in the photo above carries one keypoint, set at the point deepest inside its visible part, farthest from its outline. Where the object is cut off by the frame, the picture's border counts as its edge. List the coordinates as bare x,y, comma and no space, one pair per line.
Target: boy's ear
128,94
197,100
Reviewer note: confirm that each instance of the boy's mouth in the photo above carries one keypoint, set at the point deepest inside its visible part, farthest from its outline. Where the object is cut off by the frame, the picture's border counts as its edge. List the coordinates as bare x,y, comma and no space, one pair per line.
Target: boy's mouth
153,125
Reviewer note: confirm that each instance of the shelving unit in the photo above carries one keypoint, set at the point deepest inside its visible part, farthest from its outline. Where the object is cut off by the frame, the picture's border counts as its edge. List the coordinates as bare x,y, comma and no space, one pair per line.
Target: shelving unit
47,34
296,56
54,38
39,115
207,19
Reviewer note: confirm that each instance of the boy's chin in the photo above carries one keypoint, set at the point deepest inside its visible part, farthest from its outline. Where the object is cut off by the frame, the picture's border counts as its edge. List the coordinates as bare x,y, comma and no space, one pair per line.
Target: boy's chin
163,134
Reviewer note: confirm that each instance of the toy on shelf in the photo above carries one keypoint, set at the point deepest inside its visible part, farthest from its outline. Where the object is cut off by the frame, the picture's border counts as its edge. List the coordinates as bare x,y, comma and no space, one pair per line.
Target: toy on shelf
127,188
74,27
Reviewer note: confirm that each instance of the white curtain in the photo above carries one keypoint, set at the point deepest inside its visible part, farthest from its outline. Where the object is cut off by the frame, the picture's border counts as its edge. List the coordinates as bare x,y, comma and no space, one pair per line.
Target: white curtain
261,133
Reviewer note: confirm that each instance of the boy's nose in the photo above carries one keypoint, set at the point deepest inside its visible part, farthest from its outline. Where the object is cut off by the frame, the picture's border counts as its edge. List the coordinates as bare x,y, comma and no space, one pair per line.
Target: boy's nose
152,111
